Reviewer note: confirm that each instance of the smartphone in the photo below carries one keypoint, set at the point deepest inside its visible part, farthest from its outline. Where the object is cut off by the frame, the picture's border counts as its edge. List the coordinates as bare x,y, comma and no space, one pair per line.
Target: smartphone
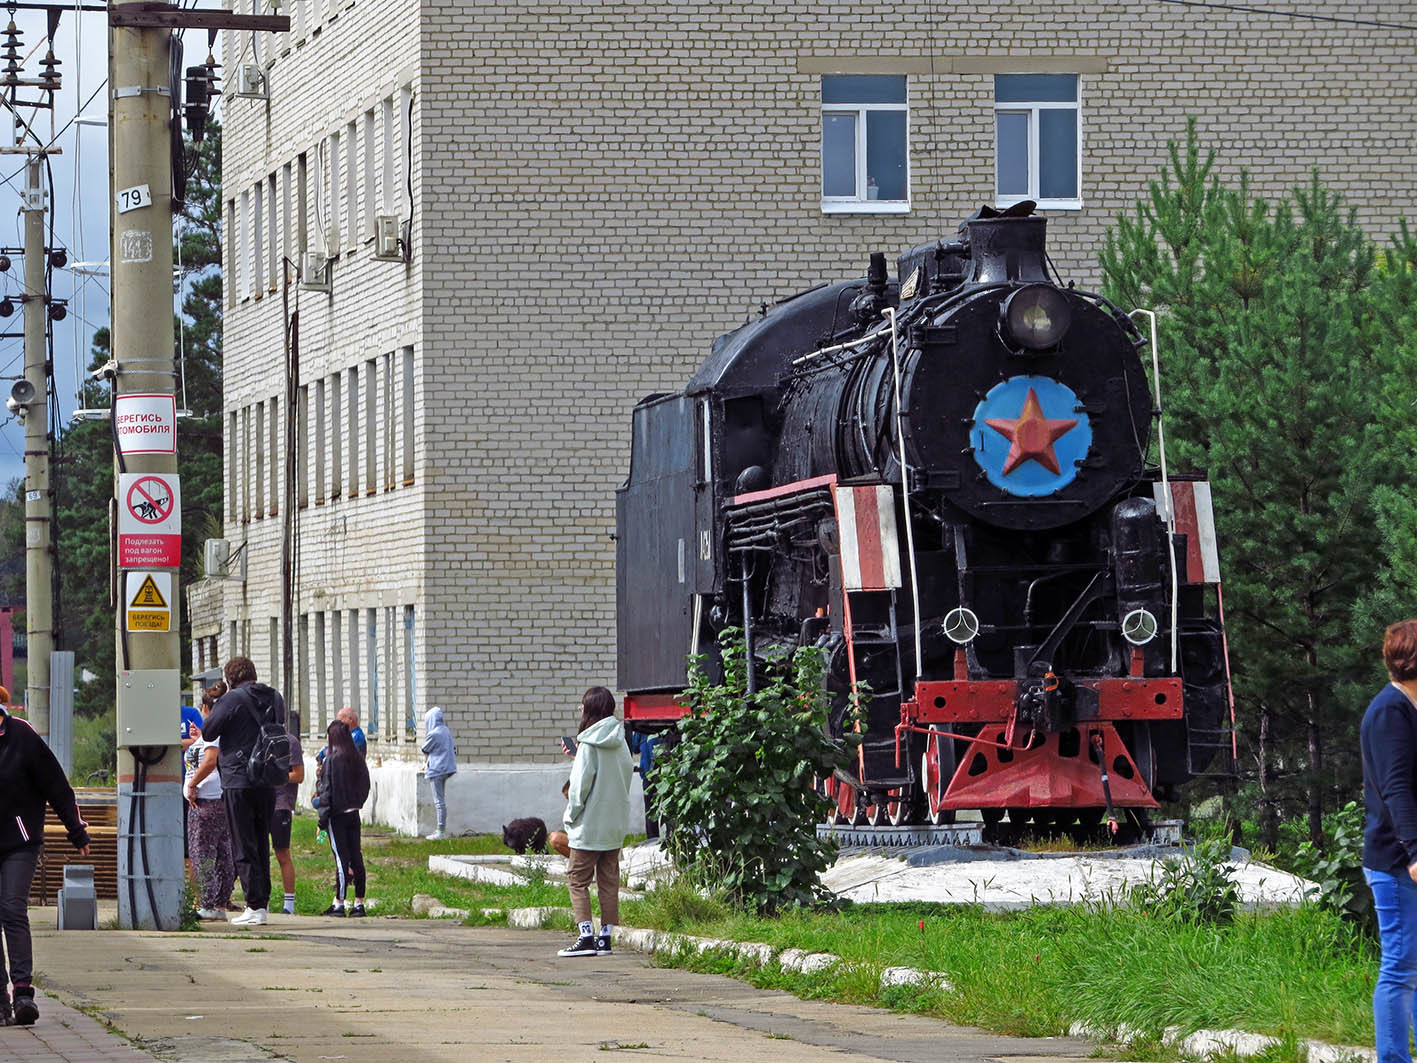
569,745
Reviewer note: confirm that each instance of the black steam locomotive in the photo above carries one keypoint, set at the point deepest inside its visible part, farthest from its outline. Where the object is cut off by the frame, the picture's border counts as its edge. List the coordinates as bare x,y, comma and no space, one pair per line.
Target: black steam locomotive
942,479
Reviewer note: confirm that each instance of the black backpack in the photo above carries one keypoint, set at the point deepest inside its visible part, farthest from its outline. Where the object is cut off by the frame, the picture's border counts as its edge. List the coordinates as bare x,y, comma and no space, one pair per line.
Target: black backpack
269,762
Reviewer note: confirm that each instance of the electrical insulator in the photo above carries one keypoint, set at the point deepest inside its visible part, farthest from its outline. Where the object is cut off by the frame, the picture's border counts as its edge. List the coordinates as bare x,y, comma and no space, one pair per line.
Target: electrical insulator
4,263
49,77
11,55
58,258
7,308
58,311
198,83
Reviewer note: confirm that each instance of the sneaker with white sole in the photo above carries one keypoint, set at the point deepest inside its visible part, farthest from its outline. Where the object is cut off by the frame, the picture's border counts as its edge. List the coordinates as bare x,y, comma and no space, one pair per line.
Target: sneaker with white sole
210,914
584,946
250,917
437,836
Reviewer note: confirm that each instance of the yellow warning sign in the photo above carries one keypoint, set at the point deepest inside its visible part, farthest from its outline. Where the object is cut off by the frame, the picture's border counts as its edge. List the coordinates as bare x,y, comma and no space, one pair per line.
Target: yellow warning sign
149,597
146,601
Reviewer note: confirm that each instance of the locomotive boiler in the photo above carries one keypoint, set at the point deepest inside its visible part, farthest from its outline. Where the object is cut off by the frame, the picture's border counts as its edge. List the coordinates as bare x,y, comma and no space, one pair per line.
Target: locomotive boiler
943,479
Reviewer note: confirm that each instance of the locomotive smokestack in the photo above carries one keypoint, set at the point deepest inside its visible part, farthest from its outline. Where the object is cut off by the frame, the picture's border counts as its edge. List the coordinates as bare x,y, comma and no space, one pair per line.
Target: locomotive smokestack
1006,248
868,305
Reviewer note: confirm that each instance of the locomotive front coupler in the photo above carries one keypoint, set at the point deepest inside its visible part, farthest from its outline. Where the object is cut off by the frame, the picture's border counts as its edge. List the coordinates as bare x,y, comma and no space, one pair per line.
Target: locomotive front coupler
1045,702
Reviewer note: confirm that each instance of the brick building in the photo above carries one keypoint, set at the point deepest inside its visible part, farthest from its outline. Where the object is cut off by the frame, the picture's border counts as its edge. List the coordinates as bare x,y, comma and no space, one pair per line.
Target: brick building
588,194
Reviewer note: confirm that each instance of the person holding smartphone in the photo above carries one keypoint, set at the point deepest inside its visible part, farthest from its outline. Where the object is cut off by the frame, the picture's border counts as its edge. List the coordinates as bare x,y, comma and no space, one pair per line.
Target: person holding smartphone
597,819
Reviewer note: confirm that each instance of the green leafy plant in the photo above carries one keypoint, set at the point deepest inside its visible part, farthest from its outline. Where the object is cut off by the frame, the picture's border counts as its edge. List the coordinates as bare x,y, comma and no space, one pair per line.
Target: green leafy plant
1337,866
738,789
1199,887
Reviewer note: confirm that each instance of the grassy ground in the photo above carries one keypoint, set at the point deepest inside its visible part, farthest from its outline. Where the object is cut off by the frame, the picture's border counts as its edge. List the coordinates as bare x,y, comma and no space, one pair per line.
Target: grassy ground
1295,974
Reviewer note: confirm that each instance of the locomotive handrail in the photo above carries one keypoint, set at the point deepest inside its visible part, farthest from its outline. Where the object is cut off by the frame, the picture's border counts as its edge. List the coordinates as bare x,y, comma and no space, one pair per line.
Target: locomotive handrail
1165,484
889,313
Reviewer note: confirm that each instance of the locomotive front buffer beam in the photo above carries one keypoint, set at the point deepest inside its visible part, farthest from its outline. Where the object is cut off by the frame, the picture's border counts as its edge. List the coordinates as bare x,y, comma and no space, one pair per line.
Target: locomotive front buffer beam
1086,763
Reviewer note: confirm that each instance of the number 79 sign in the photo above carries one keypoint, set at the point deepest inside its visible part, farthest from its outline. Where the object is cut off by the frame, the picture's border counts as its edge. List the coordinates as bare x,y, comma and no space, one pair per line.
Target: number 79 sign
133,198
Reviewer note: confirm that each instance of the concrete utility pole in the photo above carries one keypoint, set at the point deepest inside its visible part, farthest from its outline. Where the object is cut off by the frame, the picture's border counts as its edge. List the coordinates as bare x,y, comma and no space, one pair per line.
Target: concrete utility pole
39,562
144,376
150,874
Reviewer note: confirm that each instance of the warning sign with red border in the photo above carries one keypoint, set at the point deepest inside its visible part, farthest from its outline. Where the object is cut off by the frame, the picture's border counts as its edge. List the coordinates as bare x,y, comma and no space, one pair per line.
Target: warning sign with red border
149,520
145,424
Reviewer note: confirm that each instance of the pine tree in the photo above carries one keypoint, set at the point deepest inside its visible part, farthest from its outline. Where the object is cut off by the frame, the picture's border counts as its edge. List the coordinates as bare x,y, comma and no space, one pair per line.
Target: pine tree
1270,359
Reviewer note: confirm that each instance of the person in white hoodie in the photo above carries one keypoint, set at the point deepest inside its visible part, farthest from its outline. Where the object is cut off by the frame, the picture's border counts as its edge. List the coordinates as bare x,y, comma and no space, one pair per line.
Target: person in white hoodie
442,763
597,819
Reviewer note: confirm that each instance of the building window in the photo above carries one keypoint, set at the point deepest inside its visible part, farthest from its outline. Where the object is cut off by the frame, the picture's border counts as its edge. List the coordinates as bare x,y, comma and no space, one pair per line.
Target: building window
353,432
408,415
260,468
272,238
336,437
321,443
275,456
1037,139
371,426
865,143
302,446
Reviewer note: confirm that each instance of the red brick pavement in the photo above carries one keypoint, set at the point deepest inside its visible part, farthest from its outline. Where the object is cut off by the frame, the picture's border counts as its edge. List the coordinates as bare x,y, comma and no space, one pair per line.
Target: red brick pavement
64,1035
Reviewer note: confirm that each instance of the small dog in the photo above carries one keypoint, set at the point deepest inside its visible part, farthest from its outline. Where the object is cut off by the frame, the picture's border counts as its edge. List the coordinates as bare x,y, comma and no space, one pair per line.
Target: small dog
523,834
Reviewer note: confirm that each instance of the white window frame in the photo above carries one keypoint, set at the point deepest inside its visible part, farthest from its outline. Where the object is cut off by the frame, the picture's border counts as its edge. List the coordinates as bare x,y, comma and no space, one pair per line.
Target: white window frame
1032,111
859,204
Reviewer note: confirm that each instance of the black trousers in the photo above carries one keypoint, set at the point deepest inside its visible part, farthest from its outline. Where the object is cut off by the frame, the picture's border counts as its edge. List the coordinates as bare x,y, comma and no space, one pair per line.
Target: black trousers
349,856
16,875
248,813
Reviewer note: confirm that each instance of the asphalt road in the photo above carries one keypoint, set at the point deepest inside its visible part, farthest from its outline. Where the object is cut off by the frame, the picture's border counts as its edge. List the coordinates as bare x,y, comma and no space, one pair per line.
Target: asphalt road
413,991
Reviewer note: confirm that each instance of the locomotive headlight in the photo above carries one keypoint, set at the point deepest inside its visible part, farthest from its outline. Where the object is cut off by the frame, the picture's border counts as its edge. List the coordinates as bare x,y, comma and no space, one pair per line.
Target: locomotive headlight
1139,627
1036,316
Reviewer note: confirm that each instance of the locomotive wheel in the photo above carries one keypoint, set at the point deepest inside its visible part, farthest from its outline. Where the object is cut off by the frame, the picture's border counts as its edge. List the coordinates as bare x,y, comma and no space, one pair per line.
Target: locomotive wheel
875,814
935,764
898,808
892,810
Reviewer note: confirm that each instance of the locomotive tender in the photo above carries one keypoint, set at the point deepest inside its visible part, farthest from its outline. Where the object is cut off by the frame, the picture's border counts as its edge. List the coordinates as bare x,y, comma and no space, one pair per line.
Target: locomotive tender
941,479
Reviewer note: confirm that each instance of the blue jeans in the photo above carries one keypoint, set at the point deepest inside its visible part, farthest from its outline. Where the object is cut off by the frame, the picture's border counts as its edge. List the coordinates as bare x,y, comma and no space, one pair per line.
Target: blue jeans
1395,898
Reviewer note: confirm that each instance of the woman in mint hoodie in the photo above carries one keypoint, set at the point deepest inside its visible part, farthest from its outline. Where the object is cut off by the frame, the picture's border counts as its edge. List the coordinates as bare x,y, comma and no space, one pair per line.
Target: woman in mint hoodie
597,819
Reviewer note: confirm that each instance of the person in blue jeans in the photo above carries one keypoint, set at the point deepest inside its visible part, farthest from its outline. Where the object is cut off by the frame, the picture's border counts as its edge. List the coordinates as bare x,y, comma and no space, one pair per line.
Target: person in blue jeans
1389,743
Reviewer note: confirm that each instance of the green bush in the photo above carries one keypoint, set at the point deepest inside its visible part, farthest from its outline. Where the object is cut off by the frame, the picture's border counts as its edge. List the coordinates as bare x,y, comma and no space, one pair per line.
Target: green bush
737,792
1337,867
1197,888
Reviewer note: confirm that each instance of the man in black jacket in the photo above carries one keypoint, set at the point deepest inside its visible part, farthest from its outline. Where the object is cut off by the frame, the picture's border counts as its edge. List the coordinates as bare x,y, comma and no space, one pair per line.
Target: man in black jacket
30,777
235,722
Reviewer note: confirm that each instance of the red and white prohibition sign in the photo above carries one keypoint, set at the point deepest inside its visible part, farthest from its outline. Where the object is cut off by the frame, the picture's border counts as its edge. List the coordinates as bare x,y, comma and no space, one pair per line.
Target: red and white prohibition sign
149,520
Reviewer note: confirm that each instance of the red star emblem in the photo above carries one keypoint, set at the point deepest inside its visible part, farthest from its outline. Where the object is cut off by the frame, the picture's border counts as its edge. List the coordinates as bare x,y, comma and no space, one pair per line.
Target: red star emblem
1032,436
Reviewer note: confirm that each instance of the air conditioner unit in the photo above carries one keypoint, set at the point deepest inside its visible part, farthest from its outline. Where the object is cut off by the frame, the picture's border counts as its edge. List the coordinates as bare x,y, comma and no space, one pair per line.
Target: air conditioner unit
221,562
386,238
314,272
251,82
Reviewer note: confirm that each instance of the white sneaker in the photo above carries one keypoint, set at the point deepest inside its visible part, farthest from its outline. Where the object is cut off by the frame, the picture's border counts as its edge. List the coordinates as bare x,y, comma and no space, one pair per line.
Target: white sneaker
437,835
250,917
210,914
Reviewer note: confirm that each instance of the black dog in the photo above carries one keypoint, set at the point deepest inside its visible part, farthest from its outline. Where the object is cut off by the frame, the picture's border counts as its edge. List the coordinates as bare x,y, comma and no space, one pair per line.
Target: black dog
523,834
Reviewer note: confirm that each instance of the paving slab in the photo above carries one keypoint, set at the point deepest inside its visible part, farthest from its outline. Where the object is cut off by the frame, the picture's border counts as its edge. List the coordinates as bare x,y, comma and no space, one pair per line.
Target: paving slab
409,991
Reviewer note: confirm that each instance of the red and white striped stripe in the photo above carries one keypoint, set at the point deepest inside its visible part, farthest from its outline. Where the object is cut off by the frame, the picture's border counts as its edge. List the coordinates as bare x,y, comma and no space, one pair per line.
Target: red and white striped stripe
1193,518
870,551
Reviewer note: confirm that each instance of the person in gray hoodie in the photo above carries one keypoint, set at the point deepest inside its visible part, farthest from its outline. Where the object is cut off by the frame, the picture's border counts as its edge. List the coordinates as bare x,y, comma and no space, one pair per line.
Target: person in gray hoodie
442,762
597,819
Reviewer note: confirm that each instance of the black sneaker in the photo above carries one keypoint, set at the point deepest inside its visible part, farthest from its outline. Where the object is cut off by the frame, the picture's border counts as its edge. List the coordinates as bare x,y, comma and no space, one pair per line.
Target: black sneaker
584,946
356,910
602,945
334,909
7,1014
26,1011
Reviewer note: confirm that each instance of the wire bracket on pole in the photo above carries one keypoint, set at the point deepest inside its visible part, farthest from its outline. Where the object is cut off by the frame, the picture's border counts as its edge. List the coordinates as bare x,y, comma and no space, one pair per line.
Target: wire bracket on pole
127,91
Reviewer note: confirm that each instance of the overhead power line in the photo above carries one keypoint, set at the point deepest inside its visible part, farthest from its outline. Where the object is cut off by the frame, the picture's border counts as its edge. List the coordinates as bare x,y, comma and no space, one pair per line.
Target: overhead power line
1293,14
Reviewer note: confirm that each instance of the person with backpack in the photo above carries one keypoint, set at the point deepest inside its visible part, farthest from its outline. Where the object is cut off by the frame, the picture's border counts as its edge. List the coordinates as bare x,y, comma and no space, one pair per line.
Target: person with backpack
343,789
30,778
250,722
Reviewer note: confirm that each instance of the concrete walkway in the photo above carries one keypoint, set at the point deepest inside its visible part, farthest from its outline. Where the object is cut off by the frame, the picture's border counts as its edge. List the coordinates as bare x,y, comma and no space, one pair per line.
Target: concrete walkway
410,991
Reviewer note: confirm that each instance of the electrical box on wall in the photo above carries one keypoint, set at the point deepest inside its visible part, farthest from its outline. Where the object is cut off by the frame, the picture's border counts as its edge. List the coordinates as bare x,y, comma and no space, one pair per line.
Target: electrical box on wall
148,707
387,244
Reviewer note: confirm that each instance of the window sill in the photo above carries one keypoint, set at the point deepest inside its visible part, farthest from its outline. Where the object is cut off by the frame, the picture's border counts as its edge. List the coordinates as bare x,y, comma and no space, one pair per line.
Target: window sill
866,207
1043,204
